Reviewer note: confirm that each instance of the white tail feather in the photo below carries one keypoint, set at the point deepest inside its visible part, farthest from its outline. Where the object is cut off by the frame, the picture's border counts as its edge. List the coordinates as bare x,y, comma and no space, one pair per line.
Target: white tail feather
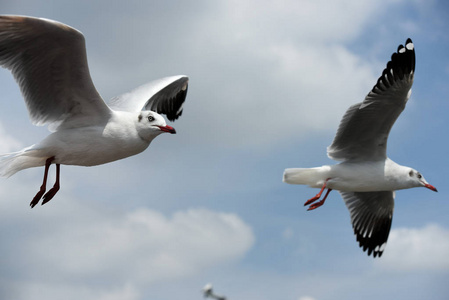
308,176
11,163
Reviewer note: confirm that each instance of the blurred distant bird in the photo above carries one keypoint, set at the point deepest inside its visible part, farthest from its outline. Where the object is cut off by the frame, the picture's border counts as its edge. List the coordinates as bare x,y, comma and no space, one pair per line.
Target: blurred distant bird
367,178
48,60
208,293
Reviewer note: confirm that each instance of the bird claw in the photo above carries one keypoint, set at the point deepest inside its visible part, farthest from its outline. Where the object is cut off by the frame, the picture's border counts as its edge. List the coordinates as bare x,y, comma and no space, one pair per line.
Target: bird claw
311,200
319,203
317,196
50,194
316,205
37,197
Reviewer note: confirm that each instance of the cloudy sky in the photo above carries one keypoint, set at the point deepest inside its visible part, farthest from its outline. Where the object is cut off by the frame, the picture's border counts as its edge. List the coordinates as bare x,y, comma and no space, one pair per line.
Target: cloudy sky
269,82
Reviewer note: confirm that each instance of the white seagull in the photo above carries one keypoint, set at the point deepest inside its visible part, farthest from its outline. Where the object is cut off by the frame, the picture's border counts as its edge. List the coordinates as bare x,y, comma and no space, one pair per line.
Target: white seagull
209,293
366,178
48,60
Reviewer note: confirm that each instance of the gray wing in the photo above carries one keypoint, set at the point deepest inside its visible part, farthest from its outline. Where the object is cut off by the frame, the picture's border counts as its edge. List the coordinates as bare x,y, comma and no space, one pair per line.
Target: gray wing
364,129
371,216
164,96
48,60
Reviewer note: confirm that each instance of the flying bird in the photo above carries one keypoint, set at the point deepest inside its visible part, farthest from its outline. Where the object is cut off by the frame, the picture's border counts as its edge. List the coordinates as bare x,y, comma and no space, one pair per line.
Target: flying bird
366,178
209,293
49,62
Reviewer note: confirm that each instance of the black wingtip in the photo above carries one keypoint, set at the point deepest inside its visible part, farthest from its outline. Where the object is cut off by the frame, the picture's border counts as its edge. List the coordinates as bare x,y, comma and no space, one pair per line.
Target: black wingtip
178,100
402,63
375,244
170,99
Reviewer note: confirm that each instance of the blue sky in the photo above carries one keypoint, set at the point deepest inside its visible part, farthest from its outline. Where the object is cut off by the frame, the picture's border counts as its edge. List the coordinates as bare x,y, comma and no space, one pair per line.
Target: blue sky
269,82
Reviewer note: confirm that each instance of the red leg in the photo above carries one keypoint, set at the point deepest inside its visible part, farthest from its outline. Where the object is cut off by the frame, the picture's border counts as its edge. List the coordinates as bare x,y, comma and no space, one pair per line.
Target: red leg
319,203
52,192
44,183
317,196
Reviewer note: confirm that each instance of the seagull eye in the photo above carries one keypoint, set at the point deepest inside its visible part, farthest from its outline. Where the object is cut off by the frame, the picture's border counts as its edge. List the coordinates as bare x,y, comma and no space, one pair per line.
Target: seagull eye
419,176
150,118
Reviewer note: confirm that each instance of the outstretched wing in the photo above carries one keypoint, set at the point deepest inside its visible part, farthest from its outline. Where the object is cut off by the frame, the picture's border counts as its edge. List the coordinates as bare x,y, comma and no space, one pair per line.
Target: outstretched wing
371,216
365,127
164,96
48,60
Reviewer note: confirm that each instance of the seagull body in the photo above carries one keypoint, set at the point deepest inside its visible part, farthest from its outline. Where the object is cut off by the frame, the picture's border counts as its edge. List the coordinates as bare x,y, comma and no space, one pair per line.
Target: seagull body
366,178
49,62
118,138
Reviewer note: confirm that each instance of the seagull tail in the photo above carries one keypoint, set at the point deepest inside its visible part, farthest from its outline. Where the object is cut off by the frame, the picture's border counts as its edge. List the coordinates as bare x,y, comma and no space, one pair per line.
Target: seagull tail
307,176
11,163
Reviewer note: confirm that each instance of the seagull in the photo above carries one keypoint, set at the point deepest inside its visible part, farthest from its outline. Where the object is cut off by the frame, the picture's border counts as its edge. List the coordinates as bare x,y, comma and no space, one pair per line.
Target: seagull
209,293
49,62
366,178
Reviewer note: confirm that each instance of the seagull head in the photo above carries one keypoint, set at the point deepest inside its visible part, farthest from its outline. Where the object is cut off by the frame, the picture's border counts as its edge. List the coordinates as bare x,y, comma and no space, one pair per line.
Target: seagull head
150,124
207,290
418,180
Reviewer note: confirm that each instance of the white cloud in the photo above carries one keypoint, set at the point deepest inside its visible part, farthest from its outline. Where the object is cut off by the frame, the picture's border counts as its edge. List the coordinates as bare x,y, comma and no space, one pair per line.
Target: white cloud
417,249
277,72
44,290
160,247
319,81
313,20
69,241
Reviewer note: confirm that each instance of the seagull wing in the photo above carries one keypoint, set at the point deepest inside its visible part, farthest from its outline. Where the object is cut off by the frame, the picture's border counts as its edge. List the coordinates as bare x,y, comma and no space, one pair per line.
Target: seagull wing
364,129
371,216
164,96
48,60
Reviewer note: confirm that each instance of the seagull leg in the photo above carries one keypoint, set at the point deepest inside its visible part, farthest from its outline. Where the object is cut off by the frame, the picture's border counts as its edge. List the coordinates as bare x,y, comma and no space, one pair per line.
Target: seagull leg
44,183
52,192
319,203
317,196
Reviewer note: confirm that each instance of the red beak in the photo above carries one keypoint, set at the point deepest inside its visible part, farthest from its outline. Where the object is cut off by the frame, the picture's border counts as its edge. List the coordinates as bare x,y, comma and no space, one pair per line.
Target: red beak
430,187
167,129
